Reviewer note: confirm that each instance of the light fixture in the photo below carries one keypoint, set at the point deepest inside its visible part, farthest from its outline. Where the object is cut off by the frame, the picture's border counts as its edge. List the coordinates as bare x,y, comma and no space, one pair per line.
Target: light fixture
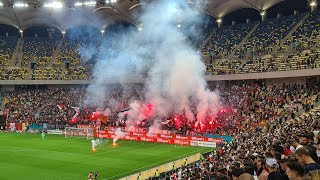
78,4
102,31
111,1
20,4
140,27
219,20
90,3
1,4
313,3
263,13
178,25
55,5
21,31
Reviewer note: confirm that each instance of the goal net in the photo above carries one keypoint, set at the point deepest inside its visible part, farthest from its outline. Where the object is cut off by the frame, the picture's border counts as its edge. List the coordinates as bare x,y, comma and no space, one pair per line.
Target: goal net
87,133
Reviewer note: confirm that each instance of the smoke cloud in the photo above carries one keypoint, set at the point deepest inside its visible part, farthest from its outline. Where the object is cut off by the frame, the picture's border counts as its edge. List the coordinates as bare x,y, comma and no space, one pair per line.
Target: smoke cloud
118,135
175,83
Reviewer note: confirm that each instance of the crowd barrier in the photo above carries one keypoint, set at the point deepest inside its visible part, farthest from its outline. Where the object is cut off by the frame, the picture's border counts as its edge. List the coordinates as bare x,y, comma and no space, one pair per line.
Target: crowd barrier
35,127
162,138
16,126
139,135
225,138
164,168
138,130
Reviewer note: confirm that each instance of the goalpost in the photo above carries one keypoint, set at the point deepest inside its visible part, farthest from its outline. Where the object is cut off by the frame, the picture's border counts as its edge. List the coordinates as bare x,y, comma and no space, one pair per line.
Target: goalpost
87,133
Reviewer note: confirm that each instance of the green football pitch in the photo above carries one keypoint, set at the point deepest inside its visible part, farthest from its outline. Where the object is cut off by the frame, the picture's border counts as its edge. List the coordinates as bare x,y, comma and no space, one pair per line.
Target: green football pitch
26,157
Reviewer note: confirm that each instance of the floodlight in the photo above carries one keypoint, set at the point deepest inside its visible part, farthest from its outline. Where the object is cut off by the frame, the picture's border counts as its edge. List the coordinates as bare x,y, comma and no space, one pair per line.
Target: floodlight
55,5
263,13
20,4
313,3
111,1
78,4
89,3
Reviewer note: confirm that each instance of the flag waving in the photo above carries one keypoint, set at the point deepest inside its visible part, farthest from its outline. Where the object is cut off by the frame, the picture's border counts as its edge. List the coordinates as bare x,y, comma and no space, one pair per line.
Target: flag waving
77,110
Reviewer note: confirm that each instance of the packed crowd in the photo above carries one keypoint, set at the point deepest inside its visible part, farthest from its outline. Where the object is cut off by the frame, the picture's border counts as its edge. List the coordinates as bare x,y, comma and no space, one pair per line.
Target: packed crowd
309,59
307,34
57,106
73,73
7,46
268,114
255,105
68,52
225,38
271,32
284,148
39,50
264,51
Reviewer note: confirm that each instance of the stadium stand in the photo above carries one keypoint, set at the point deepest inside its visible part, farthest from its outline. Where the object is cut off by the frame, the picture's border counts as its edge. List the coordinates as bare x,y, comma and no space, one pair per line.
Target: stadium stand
79,73
274,126
306,60
282,111
244,155
306,35
14,74
225,38
68,52
270,32
269,102
7,46
262,58
39,50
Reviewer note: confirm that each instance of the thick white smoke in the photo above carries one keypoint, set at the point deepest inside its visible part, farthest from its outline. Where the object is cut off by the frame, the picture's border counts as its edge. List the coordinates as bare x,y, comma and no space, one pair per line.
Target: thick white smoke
175,83
118,135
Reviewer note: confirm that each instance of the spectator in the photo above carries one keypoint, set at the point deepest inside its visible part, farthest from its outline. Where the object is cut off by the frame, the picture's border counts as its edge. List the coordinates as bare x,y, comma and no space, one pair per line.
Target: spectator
237,173
272,168
295,145
303,155
295,171
262,171
246,176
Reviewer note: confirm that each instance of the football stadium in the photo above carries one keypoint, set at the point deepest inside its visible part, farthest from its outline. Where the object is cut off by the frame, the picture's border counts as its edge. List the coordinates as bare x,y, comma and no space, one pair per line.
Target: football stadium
159,89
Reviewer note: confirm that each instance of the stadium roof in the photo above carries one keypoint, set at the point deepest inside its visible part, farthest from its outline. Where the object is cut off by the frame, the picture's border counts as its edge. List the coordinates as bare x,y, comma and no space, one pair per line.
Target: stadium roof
102,15
219,8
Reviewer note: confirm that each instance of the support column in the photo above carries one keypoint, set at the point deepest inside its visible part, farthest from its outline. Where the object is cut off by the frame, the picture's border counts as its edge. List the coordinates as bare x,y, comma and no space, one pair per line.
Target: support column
102,32
313,4
21,33
63,34
219,21
263,15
